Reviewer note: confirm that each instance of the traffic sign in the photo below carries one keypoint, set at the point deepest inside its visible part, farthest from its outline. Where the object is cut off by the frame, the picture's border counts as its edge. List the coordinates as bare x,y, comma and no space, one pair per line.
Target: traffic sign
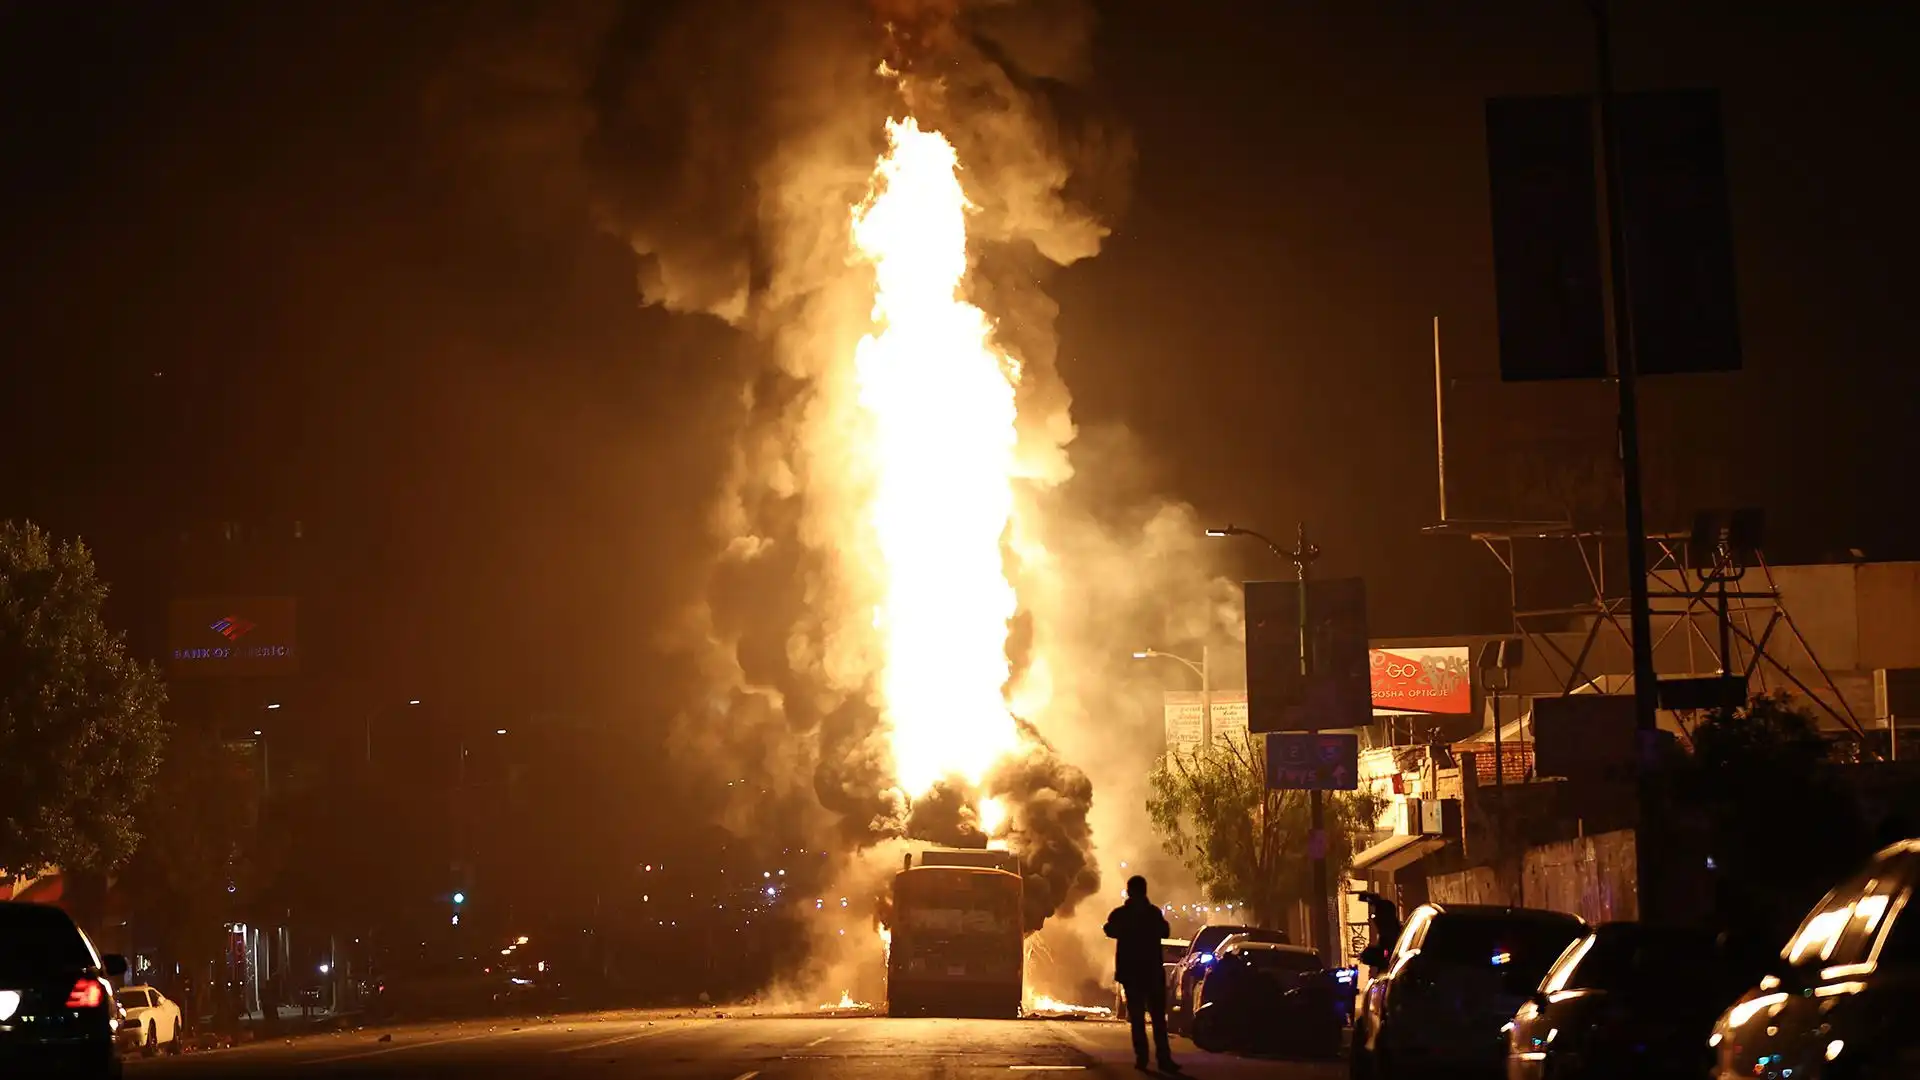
1322,762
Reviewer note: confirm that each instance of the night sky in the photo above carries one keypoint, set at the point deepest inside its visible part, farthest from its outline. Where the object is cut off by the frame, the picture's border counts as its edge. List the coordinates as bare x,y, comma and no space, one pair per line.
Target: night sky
251,275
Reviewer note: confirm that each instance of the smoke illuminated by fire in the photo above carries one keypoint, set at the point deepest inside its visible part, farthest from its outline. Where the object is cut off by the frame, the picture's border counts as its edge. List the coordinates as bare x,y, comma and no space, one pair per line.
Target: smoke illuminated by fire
940,400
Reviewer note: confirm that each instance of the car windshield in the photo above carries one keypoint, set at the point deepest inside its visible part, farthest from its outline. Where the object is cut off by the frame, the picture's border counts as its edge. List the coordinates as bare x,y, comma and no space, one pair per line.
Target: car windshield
37,942
1521,947
134,999
1641,959
1210,937
1172,952
1282,960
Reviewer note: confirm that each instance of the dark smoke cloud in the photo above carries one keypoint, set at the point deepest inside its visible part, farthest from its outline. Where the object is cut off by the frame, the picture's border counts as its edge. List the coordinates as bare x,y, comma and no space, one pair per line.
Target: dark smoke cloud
946,816
723,141
1047,804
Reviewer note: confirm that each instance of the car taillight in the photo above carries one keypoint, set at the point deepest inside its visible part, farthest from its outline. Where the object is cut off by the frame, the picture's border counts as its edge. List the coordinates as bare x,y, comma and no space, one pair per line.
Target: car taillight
86,994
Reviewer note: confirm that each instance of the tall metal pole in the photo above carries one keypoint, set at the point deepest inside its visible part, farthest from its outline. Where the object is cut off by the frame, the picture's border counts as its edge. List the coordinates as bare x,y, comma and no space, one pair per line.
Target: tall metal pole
1319,926
1439,421
1206,699
1620,344
1499,758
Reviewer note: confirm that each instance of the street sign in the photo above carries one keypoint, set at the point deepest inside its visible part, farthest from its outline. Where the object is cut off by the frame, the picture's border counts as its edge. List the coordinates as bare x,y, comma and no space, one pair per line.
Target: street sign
1322,762
1338,692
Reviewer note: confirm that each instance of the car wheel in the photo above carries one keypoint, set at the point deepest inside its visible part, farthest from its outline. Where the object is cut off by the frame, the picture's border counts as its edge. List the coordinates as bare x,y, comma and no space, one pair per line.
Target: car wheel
1360,1063
1206,1033
150,1042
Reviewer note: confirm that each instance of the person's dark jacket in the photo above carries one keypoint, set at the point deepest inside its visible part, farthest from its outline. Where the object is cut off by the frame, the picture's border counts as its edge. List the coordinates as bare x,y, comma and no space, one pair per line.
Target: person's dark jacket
1137,928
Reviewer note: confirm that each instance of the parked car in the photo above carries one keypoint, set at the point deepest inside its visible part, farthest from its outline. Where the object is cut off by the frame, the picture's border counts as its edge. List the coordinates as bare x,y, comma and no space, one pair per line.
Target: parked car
150,1020
57,1012
1842,999
1266,998
1452,981
1626,1000
1198,958
1172,950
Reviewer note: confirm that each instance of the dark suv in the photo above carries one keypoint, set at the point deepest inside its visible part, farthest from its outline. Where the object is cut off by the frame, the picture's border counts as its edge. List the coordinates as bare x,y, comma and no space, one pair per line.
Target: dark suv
1842,996
1455,978
1200,957
56,1006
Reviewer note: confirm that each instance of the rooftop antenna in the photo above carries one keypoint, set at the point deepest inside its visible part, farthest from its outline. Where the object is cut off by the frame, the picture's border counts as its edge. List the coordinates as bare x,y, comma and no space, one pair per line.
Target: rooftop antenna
1439,421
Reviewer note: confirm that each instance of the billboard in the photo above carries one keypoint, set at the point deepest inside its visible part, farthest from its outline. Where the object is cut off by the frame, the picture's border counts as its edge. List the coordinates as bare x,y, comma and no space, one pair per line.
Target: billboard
232,637
1585,736
1338,693
1183,712
1546,227
1412,679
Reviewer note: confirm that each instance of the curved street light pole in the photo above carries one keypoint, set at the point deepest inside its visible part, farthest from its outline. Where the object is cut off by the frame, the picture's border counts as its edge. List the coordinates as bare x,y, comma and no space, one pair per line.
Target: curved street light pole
1302,557
374,714
1202,669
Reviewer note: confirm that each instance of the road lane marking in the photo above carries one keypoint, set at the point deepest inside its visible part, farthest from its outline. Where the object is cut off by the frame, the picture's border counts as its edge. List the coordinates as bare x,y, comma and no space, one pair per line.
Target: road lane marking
397,1047
748,1075
614,1041
817,1041
1047,1068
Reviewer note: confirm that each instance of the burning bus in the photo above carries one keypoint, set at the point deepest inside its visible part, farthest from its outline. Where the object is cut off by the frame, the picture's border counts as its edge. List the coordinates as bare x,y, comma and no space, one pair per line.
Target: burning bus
955,946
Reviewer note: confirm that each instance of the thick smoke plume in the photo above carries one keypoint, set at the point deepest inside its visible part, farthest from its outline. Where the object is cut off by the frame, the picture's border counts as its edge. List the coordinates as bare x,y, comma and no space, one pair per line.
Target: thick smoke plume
730,140
1048,800
725,142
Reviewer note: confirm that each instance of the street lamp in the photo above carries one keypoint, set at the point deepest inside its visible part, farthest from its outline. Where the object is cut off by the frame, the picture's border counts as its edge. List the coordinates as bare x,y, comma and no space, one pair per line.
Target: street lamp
1235,530
373,714
1201,669
1302,557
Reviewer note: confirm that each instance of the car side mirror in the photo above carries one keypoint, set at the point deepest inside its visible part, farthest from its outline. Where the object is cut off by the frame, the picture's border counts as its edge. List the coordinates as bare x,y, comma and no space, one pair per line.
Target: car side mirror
1374,956
115,965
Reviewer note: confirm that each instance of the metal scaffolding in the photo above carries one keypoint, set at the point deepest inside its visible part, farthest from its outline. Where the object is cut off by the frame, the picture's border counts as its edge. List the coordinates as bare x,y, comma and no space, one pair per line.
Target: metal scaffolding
1686,595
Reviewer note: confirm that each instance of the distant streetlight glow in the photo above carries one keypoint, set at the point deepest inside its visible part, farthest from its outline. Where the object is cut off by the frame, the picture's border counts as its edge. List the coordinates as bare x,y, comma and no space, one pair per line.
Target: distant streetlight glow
499,731
413,701
273,705
258,732
1218,533
324,968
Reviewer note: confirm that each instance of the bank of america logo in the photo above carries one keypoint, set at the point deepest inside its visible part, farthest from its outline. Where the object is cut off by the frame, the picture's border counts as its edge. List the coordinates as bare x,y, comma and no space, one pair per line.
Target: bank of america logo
231,627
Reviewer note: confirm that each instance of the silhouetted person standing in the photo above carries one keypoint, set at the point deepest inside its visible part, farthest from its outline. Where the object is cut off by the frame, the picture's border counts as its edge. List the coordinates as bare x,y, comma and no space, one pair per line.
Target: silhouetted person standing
1137,929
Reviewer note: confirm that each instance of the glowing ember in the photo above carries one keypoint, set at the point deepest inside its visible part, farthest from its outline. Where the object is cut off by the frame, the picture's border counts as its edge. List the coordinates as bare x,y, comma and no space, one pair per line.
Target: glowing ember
939,399
1055,1007
846,1002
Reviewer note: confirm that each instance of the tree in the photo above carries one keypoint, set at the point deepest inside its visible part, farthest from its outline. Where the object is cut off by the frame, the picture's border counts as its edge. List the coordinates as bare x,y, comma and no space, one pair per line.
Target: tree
195,853
80,727
1242,843
1781,825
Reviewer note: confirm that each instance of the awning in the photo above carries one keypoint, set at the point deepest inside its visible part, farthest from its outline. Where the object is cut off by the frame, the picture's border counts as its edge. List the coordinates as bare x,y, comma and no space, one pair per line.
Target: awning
1395,852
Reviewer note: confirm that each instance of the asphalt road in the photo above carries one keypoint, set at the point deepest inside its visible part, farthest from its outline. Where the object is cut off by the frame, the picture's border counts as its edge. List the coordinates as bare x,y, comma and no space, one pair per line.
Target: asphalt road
809,1047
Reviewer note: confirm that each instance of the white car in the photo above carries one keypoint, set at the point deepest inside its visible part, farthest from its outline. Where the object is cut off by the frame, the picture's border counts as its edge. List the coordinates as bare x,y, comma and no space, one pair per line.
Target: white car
152,1019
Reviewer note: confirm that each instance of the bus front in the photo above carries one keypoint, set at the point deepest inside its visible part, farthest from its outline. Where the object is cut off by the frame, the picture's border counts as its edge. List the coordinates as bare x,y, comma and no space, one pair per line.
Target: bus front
957,947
